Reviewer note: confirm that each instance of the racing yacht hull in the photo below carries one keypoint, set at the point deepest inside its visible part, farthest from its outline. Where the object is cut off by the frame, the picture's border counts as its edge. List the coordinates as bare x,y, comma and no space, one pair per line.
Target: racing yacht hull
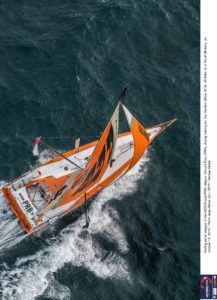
25,207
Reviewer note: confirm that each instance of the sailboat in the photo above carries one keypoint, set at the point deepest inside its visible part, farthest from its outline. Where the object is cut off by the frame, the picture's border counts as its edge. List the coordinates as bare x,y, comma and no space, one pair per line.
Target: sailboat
61,185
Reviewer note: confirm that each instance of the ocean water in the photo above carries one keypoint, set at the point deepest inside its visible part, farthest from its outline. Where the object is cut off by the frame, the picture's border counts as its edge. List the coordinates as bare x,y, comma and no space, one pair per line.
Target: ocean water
63,65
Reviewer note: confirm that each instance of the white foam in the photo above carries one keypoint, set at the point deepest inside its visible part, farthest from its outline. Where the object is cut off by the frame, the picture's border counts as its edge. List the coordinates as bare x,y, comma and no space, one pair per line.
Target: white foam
45,156
32,276
56,290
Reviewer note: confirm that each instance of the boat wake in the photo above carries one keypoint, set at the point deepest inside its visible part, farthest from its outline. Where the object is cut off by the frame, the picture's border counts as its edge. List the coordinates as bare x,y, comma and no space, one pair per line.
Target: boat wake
33,275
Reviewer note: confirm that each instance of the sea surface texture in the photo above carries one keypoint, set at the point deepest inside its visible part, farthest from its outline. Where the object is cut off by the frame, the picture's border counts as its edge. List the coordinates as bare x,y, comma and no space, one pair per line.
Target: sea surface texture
63,65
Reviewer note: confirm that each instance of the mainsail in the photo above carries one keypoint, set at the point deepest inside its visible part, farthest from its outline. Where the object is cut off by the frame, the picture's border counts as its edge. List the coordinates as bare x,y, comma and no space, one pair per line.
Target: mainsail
101,156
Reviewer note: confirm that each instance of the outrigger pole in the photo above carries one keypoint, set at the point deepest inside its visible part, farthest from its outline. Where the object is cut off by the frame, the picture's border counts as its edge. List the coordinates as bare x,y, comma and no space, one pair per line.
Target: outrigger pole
52,149
86,215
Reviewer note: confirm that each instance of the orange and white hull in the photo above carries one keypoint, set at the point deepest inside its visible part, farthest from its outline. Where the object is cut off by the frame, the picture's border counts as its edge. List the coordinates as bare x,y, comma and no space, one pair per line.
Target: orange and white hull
26,207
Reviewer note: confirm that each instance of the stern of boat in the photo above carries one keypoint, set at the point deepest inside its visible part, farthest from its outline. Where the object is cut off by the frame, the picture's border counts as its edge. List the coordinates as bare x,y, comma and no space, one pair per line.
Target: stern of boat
25,201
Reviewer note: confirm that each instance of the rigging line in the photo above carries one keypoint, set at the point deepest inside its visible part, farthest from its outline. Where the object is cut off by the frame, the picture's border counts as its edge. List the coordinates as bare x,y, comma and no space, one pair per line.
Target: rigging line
51,137
52,149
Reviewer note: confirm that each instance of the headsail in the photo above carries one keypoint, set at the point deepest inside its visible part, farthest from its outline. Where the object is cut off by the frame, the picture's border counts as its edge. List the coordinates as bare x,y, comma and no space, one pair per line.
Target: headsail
142,137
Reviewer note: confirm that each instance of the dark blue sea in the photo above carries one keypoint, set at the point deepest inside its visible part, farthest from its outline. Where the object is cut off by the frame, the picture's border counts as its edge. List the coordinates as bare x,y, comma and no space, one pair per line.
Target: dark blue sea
63,65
